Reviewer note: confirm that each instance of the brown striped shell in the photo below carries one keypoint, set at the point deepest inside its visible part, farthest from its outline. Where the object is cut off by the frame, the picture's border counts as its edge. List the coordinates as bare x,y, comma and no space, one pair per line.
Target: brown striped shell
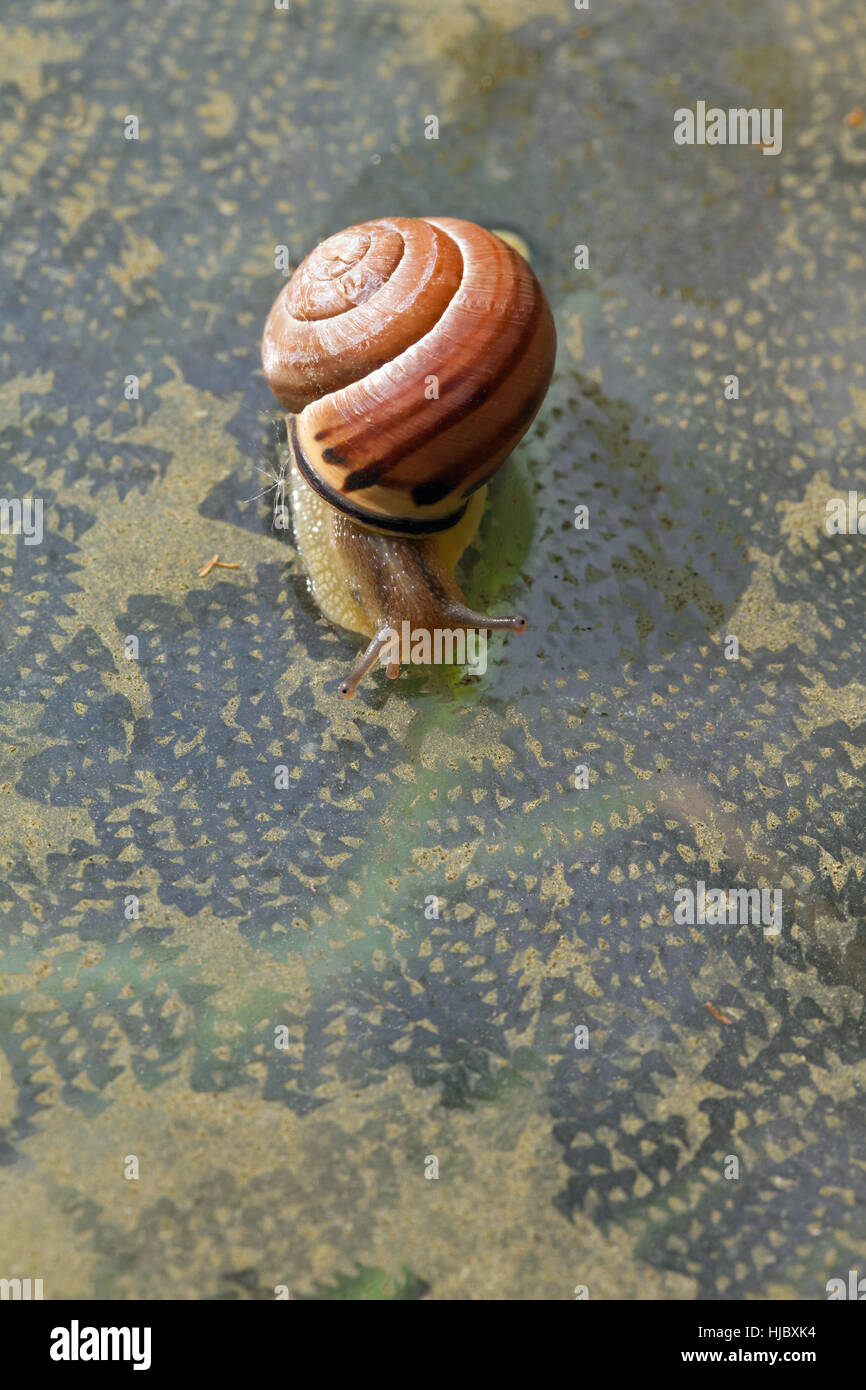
412,354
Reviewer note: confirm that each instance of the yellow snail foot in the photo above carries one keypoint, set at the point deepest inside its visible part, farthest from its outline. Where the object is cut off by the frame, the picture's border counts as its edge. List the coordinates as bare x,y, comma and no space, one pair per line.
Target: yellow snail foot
514,240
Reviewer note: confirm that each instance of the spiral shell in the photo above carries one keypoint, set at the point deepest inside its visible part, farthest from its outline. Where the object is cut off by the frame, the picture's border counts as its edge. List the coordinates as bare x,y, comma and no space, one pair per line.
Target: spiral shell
412,354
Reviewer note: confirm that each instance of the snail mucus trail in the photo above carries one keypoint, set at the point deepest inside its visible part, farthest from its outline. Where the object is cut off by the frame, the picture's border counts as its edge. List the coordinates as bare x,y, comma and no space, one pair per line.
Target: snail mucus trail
411,355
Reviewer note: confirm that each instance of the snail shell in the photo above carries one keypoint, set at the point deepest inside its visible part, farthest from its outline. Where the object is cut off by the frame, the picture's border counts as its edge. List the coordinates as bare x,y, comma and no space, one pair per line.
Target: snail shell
412,355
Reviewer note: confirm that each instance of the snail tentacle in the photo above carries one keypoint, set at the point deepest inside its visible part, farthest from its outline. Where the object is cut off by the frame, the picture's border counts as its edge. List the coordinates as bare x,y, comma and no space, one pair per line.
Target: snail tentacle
366,662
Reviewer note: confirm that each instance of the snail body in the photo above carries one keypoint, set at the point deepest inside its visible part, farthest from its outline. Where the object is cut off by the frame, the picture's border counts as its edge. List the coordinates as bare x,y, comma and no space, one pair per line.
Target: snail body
412,354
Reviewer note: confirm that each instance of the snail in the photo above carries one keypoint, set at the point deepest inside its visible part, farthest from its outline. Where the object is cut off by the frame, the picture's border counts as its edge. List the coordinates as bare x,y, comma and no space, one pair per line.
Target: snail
411,354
